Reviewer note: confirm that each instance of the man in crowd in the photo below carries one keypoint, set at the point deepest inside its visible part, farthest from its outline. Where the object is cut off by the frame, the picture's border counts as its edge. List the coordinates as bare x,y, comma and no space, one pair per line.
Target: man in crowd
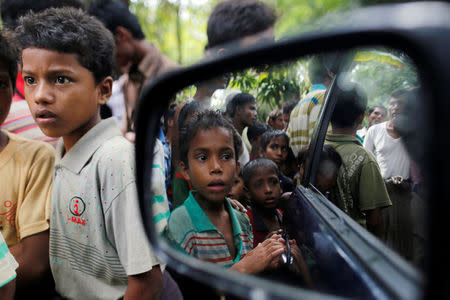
385,142
135,56
360,191
305,115
375,115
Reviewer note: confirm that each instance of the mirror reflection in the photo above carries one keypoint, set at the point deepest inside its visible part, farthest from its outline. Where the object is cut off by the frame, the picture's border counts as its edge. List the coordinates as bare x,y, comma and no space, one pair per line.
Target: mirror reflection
241,144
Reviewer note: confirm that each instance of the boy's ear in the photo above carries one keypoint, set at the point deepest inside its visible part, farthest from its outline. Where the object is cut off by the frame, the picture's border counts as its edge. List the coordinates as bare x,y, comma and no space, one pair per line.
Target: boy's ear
184,171
261,152
121,34
238,167
104,90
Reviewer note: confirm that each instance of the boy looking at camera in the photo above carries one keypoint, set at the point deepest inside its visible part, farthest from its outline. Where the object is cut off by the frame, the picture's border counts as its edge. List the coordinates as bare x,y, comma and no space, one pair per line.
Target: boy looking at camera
98,248
206,226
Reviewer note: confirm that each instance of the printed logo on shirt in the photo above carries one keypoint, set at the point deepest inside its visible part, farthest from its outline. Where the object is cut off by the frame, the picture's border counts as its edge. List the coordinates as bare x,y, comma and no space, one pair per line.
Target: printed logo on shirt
77,206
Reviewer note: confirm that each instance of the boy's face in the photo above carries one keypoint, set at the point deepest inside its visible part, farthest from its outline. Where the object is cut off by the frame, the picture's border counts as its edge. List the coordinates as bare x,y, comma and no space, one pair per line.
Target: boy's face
264,188
6,92
277,150
377,116
62,94
237,190
247,113
212,164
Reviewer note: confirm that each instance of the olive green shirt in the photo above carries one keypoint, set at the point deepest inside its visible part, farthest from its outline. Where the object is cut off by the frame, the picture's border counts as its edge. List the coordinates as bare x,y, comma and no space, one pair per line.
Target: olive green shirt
360,186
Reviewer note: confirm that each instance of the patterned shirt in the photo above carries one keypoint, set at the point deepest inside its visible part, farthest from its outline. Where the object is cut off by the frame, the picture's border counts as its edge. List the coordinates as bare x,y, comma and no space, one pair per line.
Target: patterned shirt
360,186
304,117
8,264
192,233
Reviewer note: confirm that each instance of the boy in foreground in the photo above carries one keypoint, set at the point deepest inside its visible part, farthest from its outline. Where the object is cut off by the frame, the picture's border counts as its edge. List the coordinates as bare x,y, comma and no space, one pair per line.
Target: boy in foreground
98,248
206,226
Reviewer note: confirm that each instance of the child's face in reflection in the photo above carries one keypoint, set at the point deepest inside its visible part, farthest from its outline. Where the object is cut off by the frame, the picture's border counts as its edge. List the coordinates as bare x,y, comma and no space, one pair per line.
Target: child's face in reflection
237,190
265,188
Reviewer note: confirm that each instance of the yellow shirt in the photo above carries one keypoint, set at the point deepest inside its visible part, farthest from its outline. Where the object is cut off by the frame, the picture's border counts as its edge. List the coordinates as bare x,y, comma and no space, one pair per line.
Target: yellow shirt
26,169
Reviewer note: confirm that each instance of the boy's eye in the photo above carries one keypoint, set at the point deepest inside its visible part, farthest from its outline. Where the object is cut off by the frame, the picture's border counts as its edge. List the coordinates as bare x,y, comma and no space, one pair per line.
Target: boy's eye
62,79
227,156
201,157
29,80
284,149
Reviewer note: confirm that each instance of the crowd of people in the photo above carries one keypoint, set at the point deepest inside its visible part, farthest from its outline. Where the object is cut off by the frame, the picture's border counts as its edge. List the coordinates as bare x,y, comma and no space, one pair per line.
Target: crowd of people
69,215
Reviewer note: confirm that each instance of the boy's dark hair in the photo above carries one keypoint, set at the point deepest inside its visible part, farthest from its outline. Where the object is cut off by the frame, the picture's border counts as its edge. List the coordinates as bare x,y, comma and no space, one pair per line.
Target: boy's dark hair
238,100
271,134
235,19
188,109
252,167
8,55
377,106
256,130
206,120
398,93
328,154
113,13
351,103
69,30
12,10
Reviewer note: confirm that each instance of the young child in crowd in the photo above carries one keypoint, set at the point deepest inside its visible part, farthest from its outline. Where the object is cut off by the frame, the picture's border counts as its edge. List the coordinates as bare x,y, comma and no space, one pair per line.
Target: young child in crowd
275,120
262,184
26,169
98,247
206,226
237,190
254,134
275,146
330,162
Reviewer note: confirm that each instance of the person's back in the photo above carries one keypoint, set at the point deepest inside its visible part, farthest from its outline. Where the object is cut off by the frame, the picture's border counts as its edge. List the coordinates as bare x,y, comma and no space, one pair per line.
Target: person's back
360,190
306,113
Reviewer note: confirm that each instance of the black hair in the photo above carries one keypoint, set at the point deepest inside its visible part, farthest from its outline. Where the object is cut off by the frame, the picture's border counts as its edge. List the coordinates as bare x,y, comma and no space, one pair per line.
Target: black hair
234,19
8,55
371,110
328,154
169,114
289,106
318,68
270,135
351,103
398,93
206,120
12,10
252,167
238,100
113,13
70,30
188,109
253,132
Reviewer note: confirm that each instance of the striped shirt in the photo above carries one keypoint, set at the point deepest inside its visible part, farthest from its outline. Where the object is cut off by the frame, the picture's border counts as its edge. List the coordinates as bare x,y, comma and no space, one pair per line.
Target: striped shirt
8,264
191,232
304,117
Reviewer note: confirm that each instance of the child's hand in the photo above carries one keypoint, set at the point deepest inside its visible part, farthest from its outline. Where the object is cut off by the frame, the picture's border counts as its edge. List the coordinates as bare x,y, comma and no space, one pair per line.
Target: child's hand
299,265
278,232
265,255
237,205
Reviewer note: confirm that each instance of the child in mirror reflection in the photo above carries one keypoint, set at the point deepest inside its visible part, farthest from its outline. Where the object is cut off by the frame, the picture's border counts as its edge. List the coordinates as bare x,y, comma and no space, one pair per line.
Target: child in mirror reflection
206,226
263,187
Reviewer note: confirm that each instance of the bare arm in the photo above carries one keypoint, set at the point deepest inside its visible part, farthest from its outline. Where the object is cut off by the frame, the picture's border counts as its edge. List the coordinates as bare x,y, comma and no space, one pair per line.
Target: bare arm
147,285
7,291
374,222
32,254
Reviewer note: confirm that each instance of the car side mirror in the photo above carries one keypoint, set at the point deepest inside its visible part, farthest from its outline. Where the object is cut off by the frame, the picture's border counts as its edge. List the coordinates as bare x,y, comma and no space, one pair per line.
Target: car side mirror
382,49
